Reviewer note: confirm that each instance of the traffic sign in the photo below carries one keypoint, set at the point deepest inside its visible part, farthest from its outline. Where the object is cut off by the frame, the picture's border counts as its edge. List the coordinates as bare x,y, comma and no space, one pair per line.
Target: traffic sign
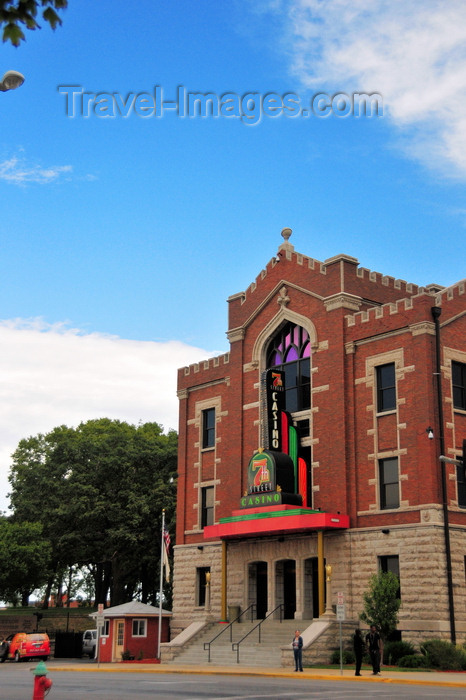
340,598
341,612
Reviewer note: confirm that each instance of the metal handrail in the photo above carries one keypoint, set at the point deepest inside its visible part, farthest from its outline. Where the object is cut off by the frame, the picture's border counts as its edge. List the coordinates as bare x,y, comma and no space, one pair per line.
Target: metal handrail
235,646
207,645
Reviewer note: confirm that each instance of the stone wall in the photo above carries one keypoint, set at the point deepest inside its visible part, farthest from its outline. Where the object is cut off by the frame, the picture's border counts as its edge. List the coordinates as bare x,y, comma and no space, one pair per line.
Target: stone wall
187,560
354,556
10,624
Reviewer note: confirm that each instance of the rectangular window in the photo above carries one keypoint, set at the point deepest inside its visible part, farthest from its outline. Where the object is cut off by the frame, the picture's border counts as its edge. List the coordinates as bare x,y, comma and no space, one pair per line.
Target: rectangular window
139,628
303,428
208,428
461,483
207,506
105,629
386,387
458,376
391,563
201,585
389,483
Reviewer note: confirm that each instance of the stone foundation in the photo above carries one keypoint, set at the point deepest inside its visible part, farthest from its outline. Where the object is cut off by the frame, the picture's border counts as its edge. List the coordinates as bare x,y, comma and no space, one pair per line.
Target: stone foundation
354,556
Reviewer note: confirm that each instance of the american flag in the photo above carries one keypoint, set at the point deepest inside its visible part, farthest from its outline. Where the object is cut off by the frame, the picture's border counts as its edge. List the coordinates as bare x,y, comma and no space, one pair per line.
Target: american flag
166,549
166,539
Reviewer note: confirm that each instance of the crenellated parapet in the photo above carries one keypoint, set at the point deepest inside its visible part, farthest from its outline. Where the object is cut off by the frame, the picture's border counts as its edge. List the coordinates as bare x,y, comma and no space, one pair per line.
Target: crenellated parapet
205,370
336,275
385,312
451,295
378,278
451,299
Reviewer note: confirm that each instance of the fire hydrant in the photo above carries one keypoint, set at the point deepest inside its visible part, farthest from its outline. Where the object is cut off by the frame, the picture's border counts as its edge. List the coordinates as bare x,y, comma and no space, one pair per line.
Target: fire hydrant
42,684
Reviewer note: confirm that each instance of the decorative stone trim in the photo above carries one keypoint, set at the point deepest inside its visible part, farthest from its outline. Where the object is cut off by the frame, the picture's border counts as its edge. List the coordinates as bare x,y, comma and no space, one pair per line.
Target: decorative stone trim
343,300
236,334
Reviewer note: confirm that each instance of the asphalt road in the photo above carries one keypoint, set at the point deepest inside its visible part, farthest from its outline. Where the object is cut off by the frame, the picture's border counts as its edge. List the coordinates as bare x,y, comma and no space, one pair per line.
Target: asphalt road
16,682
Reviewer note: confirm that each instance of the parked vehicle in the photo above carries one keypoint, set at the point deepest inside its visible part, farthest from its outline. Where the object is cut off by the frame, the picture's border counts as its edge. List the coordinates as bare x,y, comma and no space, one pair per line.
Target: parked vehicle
89,642
21,646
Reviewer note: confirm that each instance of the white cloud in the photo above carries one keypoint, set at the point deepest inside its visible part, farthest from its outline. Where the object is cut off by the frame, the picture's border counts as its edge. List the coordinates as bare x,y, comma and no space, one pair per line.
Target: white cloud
53,375
17,171
411,52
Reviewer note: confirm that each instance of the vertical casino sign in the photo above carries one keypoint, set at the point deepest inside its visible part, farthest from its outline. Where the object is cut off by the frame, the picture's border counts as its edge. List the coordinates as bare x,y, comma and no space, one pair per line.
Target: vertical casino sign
275,405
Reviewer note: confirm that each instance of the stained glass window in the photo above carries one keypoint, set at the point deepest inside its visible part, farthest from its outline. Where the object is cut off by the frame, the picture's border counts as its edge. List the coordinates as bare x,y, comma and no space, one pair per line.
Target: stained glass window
290,351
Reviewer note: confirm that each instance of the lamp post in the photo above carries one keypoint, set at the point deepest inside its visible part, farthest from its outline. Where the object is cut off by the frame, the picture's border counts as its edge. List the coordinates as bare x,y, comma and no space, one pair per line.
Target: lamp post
328,607
11,80
207,591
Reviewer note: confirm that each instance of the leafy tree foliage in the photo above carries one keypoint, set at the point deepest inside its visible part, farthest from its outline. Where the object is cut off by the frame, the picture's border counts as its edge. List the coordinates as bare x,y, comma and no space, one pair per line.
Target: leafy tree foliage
23,558
381,603
14,13
98,490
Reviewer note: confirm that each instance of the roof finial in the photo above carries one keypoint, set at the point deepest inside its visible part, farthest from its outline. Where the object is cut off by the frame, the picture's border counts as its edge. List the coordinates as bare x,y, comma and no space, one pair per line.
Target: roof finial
287,246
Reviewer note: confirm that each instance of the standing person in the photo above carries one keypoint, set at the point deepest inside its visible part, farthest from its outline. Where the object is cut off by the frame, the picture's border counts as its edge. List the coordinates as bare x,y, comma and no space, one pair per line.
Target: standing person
358,643
373,642
298,651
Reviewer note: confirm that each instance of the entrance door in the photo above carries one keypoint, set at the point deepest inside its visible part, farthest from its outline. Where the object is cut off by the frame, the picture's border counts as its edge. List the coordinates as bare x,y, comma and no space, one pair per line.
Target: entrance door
118,639
257,593
285,587
289,586
261,589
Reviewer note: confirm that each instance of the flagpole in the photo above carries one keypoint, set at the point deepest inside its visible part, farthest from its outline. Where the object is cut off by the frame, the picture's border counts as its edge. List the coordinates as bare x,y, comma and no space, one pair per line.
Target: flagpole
162,544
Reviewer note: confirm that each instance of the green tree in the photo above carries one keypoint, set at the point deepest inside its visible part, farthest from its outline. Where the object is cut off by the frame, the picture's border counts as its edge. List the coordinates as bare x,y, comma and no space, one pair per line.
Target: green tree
99,490
14,13
382,603
24,555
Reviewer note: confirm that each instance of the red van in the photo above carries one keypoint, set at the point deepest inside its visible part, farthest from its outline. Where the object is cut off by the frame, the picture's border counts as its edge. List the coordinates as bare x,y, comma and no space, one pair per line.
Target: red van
25,646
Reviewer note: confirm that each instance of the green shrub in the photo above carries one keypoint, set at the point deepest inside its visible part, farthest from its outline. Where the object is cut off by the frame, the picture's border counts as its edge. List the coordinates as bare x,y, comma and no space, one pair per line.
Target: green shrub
413,661
444,655
348,657
393,651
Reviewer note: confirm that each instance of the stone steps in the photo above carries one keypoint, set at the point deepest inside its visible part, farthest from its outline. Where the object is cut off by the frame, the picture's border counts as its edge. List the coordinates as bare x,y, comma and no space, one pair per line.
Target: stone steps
267,653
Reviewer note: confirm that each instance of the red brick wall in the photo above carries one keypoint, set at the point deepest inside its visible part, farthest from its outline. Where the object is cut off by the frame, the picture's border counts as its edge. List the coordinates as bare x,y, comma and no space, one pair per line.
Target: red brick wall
343,411
136,645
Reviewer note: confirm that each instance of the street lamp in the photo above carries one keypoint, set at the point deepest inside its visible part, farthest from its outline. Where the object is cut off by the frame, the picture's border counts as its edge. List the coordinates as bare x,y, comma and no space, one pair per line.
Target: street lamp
11,80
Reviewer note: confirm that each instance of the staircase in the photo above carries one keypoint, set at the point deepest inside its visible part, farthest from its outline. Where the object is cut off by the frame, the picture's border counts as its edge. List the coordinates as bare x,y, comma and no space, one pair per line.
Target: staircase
274,636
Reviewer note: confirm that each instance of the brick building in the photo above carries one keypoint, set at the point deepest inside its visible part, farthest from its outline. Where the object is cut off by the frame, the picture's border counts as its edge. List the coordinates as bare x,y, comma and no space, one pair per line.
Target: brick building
316,441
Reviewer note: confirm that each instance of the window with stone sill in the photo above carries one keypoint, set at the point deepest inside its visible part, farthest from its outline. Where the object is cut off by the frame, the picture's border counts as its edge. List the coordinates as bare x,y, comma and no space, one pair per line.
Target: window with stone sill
458,378
461,485
389,483
391,563
208,428
386,387
207,506
201,585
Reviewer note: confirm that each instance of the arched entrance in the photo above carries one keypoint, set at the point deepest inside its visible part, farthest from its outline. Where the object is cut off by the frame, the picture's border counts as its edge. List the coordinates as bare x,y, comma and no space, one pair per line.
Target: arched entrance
257,587
285,587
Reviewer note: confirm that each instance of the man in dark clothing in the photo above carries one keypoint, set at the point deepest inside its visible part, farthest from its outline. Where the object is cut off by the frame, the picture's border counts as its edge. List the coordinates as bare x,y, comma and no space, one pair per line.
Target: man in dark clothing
373,642
298,651
358,643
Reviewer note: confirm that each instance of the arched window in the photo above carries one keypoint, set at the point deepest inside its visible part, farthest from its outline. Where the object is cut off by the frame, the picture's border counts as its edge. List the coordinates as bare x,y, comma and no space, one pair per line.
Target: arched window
290,351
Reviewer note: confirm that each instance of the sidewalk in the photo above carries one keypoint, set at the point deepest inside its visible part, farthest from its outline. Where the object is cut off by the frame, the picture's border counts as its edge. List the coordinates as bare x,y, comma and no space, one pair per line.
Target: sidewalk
431,678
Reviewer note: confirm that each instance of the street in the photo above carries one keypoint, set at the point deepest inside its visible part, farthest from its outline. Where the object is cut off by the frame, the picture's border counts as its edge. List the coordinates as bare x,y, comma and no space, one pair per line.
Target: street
16,684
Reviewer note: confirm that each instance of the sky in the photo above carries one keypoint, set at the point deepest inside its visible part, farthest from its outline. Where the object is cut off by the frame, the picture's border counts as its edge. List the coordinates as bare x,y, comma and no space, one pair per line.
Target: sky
125,227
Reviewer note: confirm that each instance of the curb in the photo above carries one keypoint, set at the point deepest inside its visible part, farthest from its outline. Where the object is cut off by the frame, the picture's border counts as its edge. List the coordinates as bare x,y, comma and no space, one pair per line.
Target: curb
223,671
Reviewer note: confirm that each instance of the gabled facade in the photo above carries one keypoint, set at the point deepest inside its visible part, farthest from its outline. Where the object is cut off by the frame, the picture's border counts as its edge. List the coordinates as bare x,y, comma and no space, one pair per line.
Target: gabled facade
367,364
